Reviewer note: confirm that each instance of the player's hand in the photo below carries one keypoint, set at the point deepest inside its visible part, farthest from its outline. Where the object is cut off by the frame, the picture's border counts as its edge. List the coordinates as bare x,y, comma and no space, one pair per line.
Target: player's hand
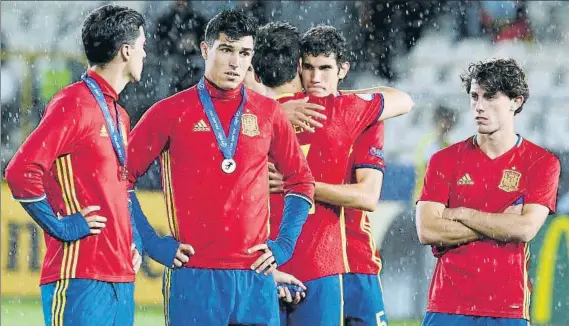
276,183
266,262
284,292
514,209
136,258
303,114
185,251
96,223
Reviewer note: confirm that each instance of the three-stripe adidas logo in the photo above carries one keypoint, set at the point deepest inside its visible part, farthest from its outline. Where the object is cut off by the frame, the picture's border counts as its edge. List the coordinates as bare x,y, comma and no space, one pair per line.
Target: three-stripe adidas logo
201,126
465,180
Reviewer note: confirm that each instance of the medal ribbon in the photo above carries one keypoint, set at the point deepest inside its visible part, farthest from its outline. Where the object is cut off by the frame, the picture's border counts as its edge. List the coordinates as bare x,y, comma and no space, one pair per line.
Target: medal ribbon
227,144
115,135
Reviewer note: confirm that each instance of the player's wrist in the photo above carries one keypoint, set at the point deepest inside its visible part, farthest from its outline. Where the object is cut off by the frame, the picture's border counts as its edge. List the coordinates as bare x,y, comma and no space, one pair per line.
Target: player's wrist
163,250
281,255
74,227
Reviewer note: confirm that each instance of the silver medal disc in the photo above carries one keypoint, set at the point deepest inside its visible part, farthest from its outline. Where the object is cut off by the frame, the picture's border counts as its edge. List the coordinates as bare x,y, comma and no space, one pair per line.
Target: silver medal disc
228,165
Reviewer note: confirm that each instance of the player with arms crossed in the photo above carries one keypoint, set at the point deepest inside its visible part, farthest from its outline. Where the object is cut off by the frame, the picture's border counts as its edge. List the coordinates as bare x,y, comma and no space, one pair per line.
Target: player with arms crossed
320,243
216,186
483,200
70,177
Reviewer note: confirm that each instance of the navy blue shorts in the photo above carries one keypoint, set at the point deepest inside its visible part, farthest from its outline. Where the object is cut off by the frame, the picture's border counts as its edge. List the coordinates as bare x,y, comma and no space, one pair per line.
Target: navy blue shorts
82,302
322,305
363,300
441,319
194,296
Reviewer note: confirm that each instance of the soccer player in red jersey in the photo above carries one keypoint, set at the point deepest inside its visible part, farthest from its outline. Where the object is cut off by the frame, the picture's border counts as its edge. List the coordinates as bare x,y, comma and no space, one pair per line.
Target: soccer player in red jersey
362,283
69,176
483,200
216,186
320,256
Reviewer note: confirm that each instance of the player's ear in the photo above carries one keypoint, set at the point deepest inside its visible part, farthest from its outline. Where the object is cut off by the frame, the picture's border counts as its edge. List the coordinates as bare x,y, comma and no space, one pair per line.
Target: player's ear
204,48
125,52
517,103
299,66
344,68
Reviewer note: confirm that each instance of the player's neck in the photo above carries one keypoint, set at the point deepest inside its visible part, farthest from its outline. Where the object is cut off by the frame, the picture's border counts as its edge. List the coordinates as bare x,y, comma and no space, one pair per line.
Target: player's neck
217,92
113,75
497,143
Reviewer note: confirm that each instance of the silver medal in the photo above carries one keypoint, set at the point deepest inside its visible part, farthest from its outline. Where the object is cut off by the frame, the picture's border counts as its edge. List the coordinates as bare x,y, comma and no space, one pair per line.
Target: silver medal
228,165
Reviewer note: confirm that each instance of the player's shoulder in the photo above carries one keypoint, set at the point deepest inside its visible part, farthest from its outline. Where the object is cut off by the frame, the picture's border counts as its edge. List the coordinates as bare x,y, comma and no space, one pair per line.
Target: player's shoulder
261,105
537,154
177,102
285,97
71,99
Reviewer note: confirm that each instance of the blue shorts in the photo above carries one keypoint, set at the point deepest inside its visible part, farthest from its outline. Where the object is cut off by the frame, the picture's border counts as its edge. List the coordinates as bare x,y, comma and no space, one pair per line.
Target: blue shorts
441,319
322,305
194,296
82,302
363,300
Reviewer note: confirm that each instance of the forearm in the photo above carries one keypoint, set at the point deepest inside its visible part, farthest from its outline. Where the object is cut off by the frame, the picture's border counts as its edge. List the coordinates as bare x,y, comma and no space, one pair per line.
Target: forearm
294,216
69,228
161,249
347,195
499,226
441,232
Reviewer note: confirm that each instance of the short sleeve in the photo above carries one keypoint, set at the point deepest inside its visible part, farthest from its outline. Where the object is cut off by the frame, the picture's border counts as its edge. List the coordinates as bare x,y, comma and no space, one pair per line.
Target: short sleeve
436,187
544,182
368,148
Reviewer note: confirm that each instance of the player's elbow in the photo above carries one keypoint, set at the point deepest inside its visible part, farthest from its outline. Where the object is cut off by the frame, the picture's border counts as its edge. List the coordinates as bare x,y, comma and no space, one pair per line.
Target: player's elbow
425,237
12,175
406,103
526,233
368,203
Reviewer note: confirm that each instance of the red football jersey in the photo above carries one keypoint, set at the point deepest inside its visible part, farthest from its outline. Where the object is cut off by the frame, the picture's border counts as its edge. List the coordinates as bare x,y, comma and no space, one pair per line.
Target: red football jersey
487,277
363,256
70,158
321,247
221,215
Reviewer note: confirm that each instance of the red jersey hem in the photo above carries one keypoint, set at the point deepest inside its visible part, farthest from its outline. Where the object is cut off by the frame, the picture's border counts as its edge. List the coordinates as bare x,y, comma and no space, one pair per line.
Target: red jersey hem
96,277
478,312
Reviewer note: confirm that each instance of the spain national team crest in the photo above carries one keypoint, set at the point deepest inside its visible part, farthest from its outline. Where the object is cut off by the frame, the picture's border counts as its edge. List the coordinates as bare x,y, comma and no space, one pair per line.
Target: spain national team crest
250,125
510,180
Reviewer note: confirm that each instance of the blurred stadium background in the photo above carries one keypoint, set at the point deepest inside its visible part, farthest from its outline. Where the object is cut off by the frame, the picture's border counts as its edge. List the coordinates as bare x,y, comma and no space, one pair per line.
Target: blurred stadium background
420,47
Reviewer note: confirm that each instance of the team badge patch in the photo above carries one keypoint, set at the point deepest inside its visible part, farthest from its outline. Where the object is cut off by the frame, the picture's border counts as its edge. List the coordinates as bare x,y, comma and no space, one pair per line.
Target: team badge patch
376,152
365,97
249,125
510,180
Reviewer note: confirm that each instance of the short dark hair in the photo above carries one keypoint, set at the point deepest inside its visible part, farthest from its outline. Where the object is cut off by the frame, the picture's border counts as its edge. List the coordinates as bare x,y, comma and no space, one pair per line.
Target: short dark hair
277,52
325,40
235,24
498,75
108,28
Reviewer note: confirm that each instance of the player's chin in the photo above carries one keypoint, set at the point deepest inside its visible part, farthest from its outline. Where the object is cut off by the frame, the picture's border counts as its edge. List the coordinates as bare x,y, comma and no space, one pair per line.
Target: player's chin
486,130
318,92
230,82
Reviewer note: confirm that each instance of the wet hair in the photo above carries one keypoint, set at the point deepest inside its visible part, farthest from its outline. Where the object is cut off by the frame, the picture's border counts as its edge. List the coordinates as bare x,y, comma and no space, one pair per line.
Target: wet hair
498,75
325,40
235,24
107,29
277,51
